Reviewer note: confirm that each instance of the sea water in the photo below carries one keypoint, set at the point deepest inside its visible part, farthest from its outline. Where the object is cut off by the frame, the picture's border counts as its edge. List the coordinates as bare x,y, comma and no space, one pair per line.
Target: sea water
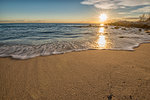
27,40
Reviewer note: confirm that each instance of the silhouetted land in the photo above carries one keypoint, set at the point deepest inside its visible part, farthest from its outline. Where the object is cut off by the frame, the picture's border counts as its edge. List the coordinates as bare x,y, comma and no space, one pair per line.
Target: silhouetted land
138,24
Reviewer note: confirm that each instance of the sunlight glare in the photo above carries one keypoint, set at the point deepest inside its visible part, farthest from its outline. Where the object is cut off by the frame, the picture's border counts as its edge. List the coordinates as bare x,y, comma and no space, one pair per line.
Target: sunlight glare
103,17
101,30
102,41
101,25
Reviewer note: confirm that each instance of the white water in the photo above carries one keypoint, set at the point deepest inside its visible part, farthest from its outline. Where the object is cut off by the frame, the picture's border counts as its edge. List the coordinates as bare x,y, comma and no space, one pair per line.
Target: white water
23,42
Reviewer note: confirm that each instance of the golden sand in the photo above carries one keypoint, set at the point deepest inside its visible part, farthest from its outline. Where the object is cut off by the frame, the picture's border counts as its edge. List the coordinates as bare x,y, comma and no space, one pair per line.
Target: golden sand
86,75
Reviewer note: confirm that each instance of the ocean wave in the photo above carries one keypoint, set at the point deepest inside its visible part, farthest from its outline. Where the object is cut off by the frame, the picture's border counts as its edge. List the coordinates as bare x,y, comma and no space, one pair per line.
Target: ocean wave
29,51
31,40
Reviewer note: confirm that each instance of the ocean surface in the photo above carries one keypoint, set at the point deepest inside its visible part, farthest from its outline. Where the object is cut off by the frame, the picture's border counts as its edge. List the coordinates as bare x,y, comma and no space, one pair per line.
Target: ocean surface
28,40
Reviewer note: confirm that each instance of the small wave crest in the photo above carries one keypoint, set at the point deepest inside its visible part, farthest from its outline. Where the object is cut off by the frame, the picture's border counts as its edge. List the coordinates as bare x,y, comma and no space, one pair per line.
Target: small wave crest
31,40
30,51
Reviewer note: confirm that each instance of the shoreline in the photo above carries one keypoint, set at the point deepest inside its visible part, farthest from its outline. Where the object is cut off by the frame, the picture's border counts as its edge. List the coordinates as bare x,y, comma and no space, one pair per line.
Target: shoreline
61,53
91,75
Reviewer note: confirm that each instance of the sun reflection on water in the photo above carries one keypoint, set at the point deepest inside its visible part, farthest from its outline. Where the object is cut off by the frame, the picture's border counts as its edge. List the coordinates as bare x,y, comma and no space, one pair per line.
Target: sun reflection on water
101,38
101,30
101,24
102,41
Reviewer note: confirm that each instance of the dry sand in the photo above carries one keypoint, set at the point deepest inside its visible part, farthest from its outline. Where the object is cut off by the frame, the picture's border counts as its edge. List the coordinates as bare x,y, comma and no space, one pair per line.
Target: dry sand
86,75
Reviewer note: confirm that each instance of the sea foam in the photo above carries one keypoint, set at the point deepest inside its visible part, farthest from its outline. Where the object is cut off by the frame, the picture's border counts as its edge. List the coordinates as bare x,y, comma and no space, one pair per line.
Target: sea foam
24,41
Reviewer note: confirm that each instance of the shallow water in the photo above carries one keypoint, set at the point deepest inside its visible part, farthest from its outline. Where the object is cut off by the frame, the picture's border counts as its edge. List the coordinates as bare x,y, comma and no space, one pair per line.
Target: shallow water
23,41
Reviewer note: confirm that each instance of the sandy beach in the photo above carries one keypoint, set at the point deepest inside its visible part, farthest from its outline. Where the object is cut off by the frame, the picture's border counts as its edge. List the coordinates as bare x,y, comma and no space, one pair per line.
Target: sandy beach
86,75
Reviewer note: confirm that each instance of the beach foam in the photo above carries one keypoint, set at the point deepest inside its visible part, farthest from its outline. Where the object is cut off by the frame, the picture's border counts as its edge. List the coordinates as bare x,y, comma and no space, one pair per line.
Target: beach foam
23,41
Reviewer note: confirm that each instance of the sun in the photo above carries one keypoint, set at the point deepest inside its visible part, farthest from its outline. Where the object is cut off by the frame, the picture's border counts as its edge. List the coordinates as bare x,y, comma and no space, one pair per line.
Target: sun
103,17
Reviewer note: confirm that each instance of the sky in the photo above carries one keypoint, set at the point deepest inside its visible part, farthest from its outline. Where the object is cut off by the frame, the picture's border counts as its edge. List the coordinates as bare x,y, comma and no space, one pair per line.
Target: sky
70,11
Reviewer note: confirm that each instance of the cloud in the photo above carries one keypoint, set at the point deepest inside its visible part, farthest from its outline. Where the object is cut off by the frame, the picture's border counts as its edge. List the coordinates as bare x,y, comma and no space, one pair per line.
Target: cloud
106,6
144,9
115,4
124,13
131,18
134,2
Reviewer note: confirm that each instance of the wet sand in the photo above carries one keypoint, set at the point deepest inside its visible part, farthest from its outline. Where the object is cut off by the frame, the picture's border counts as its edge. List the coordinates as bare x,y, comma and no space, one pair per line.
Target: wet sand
86,75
